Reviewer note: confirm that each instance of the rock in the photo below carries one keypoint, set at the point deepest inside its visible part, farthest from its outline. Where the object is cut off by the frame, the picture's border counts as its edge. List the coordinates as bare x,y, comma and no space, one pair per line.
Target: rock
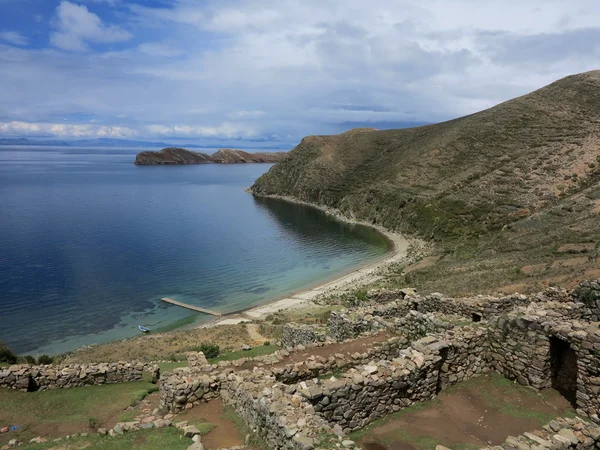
567,433
14,443
4,430
102,431
246,347
118,429
181,425
38,440
371,369
162,423
190,431
304,443
348,444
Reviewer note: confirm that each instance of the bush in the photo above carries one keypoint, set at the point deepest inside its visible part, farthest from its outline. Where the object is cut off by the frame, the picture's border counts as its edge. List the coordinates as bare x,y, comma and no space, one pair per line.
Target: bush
45,359
266,343
6,355
93,423
29,359
210,350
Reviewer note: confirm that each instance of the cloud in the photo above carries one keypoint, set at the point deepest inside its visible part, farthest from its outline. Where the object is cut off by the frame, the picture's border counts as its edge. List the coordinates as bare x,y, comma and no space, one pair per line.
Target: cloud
251,70
16,128
76,26
225,130
91,130
13,37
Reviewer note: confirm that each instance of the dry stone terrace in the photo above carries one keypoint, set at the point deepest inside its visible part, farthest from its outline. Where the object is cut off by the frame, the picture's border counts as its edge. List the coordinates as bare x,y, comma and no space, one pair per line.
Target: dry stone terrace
545,340
32,378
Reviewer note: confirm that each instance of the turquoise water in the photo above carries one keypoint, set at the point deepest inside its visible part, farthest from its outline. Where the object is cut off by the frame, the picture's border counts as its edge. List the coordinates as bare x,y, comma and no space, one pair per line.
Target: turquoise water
89,243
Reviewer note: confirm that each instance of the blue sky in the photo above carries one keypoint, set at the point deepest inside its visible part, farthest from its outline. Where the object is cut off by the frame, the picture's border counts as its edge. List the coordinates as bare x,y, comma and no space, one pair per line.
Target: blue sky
275,70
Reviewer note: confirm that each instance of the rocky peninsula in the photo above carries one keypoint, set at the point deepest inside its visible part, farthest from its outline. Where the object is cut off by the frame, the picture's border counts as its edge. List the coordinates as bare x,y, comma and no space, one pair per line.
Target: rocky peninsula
175,155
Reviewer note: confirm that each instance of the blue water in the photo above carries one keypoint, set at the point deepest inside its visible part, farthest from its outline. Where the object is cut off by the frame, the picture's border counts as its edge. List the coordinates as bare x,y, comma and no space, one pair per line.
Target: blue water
89,243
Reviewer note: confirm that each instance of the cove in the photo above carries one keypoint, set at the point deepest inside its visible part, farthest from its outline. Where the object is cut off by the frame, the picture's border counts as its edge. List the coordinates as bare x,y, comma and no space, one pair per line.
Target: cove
90,243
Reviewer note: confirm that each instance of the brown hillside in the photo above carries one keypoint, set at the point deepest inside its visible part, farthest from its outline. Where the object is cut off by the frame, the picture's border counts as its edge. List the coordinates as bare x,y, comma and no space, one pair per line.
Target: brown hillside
529,166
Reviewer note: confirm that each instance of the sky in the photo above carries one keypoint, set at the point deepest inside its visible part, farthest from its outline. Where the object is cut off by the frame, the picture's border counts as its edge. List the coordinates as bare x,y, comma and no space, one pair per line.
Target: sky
275,70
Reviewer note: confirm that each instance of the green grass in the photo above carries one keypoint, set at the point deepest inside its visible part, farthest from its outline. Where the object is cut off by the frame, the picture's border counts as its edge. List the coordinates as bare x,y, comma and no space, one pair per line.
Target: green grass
390,417
169,366
256,351
161,439
205,427
71,408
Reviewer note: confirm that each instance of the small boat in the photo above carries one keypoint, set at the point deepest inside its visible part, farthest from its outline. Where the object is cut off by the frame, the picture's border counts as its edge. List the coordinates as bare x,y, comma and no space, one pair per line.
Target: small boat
143,329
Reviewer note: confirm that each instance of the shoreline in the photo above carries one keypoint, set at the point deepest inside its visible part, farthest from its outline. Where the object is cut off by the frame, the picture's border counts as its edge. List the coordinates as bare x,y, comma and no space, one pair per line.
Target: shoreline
349,279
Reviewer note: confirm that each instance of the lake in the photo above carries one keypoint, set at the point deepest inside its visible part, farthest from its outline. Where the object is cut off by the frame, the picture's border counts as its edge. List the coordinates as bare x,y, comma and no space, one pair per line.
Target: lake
89,243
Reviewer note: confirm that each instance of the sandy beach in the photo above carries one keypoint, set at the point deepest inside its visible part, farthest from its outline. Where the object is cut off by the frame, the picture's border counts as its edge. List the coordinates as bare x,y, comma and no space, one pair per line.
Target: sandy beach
341,283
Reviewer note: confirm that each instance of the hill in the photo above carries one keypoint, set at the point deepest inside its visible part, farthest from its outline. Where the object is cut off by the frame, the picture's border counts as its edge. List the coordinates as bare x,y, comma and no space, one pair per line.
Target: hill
174,155
498,191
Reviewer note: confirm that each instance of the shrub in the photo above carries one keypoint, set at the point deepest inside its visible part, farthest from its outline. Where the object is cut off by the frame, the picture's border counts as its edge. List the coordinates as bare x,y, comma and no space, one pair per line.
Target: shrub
45,359
266,343
93,423
6,355
29,359
210,350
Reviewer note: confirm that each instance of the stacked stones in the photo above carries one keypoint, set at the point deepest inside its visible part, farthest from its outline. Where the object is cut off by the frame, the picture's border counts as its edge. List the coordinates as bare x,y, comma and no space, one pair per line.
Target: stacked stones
349,324
516,339
31,378
187,388
279,415
374,390
295,334
559,434
415,325
588,293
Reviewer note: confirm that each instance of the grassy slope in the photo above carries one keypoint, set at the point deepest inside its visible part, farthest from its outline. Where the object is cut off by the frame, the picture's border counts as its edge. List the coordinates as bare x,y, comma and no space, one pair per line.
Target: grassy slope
496,190
66,411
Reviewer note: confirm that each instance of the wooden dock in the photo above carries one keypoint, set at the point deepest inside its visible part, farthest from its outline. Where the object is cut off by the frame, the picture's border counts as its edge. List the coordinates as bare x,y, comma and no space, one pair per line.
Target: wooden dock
192,307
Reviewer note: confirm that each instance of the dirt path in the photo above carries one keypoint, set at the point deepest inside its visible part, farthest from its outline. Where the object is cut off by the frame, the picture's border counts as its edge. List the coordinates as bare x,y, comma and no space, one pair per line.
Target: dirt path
224,435
480,412
254,333
358,345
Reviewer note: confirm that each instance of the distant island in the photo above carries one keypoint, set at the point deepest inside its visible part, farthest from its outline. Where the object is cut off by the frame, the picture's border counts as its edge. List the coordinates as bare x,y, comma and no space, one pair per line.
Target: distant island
175,155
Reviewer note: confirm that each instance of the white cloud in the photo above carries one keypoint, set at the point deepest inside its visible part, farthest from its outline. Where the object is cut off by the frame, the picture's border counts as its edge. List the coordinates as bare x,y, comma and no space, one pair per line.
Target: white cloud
16,128
91,130
76,26
288,68
225,130
13,37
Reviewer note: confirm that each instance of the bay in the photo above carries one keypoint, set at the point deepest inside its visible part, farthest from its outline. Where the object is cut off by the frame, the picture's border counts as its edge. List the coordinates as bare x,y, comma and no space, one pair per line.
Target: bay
89,243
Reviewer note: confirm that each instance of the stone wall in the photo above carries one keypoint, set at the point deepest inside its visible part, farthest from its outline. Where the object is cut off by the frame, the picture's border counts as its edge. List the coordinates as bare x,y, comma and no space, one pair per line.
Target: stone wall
416,325
588,293
295,334
538,347
369,392
280,416
33,378
558,434
188,387
347,324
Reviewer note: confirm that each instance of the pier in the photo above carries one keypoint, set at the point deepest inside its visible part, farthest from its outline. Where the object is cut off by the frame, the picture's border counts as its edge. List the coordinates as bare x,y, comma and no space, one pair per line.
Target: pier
192,307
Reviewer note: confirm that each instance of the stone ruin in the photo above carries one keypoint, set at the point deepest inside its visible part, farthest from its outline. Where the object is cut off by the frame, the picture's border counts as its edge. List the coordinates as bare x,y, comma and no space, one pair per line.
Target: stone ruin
30,378
550,339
